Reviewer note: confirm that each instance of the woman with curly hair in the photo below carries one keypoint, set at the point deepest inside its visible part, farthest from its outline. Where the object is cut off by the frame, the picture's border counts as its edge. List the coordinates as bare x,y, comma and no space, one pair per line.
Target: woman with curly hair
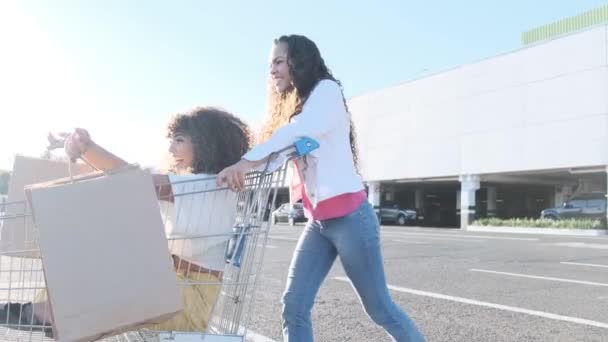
203,142
307,100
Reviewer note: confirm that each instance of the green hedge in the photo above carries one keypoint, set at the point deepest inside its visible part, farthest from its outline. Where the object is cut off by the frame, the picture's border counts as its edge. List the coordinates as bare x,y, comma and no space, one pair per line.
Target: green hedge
539,223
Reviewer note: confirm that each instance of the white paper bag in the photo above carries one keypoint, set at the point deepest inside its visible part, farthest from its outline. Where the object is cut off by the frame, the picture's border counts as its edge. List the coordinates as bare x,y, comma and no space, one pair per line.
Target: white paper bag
17,235
105,255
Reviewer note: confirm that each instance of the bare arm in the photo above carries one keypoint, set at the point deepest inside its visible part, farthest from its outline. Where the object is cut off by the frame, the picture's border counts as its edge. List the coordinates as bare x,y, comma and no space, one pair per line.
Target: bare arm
164,192
80,145
102,159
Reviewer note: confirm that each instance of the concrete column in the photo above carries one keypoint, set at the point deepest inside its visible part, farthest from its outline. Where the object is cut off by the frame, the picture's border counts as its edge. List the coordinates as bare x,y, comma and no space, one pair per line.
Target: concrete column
491,201
374,191
562,193
458,203
419,199
468,185
389,195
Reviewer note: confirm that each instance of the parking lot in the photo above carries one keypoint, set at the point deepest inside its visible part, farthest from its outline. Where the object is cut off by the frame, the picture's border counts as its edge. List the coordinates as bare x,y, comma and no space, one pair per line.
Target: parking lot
459,286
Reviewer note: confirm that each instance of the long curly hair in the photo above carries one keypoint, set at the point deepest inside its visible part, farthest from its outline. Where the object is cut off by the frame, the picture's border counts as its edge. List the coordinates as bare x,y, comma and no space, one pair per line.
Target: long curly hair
306,69
219,138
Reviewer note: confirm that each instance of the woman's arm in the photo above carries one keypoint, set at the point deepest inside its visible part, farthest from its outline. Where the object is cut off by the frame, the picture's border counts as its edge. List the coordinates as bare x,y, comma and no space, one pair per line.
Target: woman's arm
162,184
323,110
102,159
80,145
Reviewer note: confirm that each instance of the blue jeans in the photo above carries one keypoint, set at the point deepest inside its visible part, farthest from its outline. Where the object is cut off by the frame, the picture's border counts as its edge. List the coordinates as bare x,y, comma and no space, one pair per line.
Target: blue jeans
356,239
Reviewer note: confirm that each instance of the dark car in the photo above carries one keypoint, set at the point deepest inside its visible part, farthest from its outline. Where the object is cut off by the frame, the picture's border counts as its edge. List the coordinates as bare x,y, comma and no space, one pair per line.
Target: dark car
585,206
287,213
391,213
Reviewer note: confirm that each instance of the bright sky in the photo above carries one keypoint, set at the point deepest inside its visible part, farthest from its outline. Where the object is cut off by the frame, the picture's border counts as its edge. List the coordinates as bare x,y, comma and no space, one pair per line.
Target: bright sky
122,68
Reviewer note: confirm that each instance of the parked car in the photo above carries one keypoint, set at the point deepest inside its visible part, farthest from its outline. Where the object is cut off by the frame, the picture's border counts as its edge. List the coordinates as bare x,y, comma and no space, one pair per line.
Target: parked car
289,214
393,214
584,206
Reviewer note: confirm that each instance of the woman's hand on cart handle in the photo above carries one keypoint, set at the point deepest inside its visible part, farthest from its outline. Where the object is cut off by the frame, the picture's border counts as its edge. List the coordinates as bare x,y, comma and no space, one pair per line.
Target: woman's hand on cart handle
233,176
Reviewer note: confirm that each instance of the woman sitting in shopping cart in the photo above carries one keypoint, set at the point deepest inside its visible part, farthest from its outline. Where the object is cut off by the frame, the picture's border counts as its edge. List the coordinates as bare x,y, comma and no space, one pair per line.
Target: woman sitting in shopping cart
203,142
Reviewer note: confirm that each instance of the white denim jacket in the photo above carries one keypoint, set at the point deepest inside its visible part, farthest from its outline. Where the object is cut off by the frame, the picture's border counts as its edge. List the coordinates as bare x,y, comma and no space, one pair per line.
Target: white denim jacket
328,171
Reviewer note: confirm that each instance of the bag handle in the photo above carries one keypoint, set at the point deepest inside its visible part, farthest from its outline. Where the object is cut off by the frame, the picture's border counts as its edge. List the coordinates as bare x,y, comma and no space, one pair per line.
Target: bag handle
58,143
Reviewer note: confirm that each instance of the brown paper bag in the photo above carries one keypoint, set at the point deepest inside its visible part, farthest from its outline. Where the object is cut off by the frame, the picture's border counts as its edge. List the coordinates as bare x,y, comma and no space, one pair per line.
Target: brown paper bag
17,236
104,252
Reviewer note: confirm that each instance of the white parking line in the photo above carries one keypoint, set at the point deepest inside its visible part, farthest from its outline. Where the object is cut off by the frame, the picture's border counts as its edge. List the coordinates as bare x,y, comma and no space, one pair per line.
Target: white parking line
461,236
444,238
595,238
581,245
282,238
495,306
411,242
581,264
583,282
252,336
268,246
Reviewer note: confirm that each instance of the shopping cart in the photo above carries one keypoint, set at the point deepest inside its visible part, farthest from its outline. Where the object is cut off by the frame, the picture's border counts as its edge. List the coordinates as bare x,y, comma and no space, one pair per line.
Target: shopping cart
216,237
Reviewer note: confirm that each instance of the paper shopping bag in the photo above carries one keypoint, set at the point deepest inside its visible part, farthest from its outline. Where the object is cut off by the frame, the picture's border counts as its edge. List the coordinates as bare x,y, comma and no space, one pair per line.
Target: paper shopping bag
17,236
105,255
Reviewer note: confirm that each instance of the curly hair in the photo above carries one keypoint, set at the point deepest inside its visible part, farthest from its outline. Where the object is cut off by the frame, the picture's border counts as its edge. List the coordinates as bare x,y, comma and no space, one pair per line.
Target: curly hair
219,138
306,68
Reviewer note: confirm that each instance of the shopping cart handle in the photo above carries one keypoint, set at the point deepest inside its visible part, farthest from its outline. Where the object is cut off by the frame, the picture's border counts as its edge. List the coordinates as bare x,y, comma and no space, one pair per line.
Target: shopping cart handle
305,145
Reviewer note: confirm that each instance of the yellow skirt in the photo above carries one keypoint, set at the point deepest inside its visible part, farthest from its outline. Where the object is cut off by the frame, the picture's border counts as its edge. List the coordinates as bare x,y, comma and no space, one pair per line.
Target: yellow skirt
198,299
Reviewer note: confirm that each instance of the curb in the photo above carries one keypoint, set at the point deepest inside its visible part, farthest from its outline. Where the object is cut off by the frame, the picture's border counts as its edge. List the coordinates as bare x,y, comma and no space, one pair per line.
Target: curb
544,231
